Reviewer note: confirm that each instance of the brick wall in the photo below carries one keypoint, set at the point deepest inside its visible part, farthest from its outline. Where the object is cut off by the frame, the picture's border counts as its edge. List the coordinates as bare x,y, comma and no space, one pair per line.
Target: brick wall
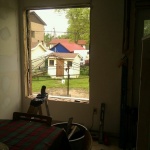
38,32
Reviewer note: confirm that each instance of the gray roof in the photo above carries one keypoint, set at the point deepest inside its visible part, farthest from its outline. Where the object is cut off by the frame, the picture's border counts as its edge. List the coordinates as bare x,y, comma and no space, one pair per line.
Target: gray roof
64,55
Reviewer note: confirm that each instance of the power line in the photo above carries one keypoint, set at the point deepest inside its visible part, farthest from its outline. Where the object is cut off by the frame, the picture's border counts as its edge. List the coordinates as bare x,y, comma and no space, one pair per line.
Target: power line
61,32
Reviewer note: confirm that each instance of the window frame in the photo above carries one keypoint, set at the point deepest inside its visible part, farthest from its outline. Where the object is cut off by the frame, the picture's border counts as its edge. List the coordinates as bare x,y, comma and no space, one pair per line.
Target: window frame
27,46
51,64
33,34
69,63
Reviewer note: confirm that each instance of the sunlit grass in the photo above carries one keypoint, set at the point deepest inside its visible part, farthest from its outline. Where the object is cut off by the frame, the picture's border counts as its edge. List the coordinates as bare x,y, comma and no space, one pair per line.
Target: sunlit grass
82,82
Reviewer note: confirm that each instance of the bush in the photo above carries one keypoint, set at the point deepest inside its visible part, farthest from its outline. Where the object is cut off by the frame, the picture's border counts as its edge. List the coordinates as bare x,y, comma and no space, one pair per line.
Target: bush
84,70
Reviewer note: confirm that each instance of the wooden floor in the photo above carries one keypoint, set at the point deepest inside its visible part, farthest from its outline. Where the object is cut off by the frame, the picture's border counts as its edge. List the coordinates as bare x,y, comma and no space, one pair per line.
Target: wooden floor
112,146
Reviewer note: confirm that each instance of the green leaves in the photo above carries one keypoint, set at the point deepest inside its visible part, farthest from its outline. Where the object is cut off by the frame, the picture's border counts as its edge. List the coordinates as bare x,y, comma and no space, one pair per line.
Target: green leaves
79,23
47,37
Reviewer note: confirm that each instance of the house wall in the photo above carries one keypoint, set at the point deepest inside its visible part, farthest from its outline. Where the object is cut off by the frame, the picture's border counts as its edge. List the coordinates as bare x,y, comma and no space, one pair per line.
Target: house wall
10,89
74,71
36,57
84,54
37,52
52,69
38,28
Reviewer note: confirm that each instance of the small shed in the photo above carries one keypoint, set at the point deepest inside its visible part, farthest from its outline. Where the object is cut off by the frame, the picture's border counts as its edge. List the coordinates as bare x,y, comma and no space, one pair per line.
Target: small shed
60,64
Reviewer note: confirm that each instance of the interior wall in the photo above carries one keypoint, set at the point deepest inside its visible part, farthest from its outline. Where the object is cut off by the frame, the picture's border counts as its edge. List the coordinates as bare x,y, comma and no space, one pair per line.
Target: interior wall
105,55
143,139
10,95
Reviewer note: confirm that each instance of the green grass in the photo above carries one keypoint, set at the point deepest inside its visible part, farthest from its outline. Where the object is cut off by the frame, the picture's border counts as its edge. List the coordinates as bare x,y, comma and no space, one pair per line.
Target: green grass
79,83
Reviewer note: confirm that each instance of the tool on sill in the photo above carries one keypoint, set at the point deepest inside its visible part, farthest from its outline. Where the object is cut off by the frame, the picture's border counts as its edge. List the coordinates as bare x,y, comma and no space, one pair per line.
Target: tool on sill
35,104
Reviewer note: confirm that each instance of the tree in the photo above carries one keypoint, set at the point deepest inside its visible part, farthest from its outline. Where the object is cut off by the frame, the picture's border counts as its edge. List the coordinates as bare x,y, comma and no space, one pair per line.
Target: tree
47,37
63,36
78,23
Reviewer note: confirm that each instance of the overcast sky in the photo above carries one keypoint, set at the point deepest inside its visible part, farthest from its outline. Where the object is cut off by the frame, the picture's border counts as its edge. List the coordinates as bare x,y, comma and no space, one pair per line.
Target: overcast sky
53,20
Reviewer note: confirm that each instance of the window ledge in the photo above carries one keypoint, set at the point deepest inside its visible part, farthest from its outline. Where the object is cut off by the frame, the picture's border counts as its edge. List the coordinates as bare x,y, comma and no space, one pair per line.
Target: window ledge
63,99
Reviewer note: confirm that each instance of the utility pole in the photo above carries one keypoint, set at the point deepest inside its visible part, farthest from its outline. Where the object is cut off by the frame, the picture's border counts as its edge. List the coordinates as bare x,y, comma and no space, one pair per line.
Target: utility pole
54,32
68,79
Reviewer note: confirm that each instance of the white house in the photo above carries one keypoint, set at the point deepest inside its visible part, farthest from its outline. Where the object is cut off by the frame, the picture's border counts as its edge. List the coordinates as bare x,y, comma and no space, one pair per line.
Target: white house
62,64
38,55
84,54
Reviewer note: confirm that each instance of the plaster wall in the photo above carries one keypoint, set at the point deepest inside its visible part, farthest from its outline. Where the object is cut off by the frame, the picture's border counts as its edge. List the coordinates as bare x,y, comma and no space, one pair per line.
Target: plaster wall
10,94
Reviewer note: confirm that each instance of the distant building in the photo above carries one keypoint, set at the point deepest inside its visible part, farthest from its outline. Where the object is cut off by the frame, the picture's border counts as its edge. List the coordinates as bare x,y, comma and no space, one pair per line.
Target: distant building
66,47
37,28
39,51
82,43
58,64
85,56
54,42
39,55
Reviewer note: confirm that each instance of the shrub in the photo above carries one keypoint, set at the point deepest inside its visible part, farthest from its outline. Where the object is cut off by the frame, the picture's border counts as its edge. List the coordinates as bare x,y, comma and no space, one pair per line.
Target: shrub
84,70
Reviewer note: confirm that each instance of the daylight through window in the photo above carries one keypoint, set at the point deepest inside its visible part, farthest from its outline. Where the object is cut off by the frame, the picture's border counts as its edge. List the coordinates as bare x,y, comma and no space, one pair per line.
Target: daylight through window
60,53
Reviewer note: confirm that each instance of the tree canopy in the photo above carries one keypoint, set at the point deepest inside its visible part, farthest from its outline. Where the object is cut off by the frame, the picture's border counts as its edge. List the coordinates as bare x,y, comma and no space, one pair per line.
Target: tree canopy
78,24
48,37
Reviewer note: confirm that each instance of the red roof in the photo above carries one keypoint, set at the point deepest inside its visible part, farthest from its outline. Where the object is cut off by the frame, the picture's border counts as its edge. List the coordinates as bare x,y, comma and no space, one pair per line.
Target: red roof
81,42
72,46
64,55
56,41
68,44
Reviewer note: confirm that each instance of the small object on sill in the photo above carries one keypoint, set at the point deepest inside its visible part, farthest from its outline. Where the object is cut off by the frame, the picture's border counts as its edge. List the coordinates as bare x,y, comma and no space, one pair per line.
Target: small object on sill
77,101
3,146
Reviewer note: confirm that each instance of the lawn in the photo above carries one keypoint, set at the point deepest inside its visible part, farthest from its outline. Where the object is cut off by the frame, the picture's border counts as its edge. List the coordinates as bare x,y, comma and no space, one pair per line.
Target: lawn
78,83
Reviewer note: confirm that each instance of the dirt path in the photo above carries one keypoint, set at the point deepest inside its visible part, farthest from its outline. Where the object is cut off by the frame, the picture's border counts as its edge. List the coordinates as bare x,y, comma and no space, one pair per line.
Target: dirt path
81,93
75,95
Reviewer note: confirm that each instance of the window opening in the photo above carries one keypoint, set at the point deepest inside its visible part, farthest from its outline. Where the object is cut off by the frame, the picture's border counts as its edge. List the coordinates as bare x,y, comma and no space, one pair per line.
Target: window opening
69,63
51,62
60,52
33,34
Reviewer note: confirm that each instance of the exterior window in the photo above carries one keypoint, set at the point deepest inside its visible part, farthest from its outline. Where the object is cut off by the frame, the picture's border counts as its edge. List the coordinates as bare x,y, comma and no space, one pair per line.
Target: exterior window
33,34
69,63
51,62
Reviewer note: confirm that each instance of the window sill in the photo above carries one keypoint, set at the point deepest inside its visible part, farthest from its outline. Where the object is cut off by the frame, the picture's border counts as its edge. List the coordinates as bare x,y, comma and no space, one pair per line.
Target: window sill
63,99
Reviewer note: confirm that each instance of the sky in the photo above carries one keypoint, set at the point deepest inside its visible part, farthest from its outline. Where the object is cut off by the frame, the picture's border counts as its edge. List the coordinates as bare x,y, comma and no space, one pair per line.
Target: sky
54,20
